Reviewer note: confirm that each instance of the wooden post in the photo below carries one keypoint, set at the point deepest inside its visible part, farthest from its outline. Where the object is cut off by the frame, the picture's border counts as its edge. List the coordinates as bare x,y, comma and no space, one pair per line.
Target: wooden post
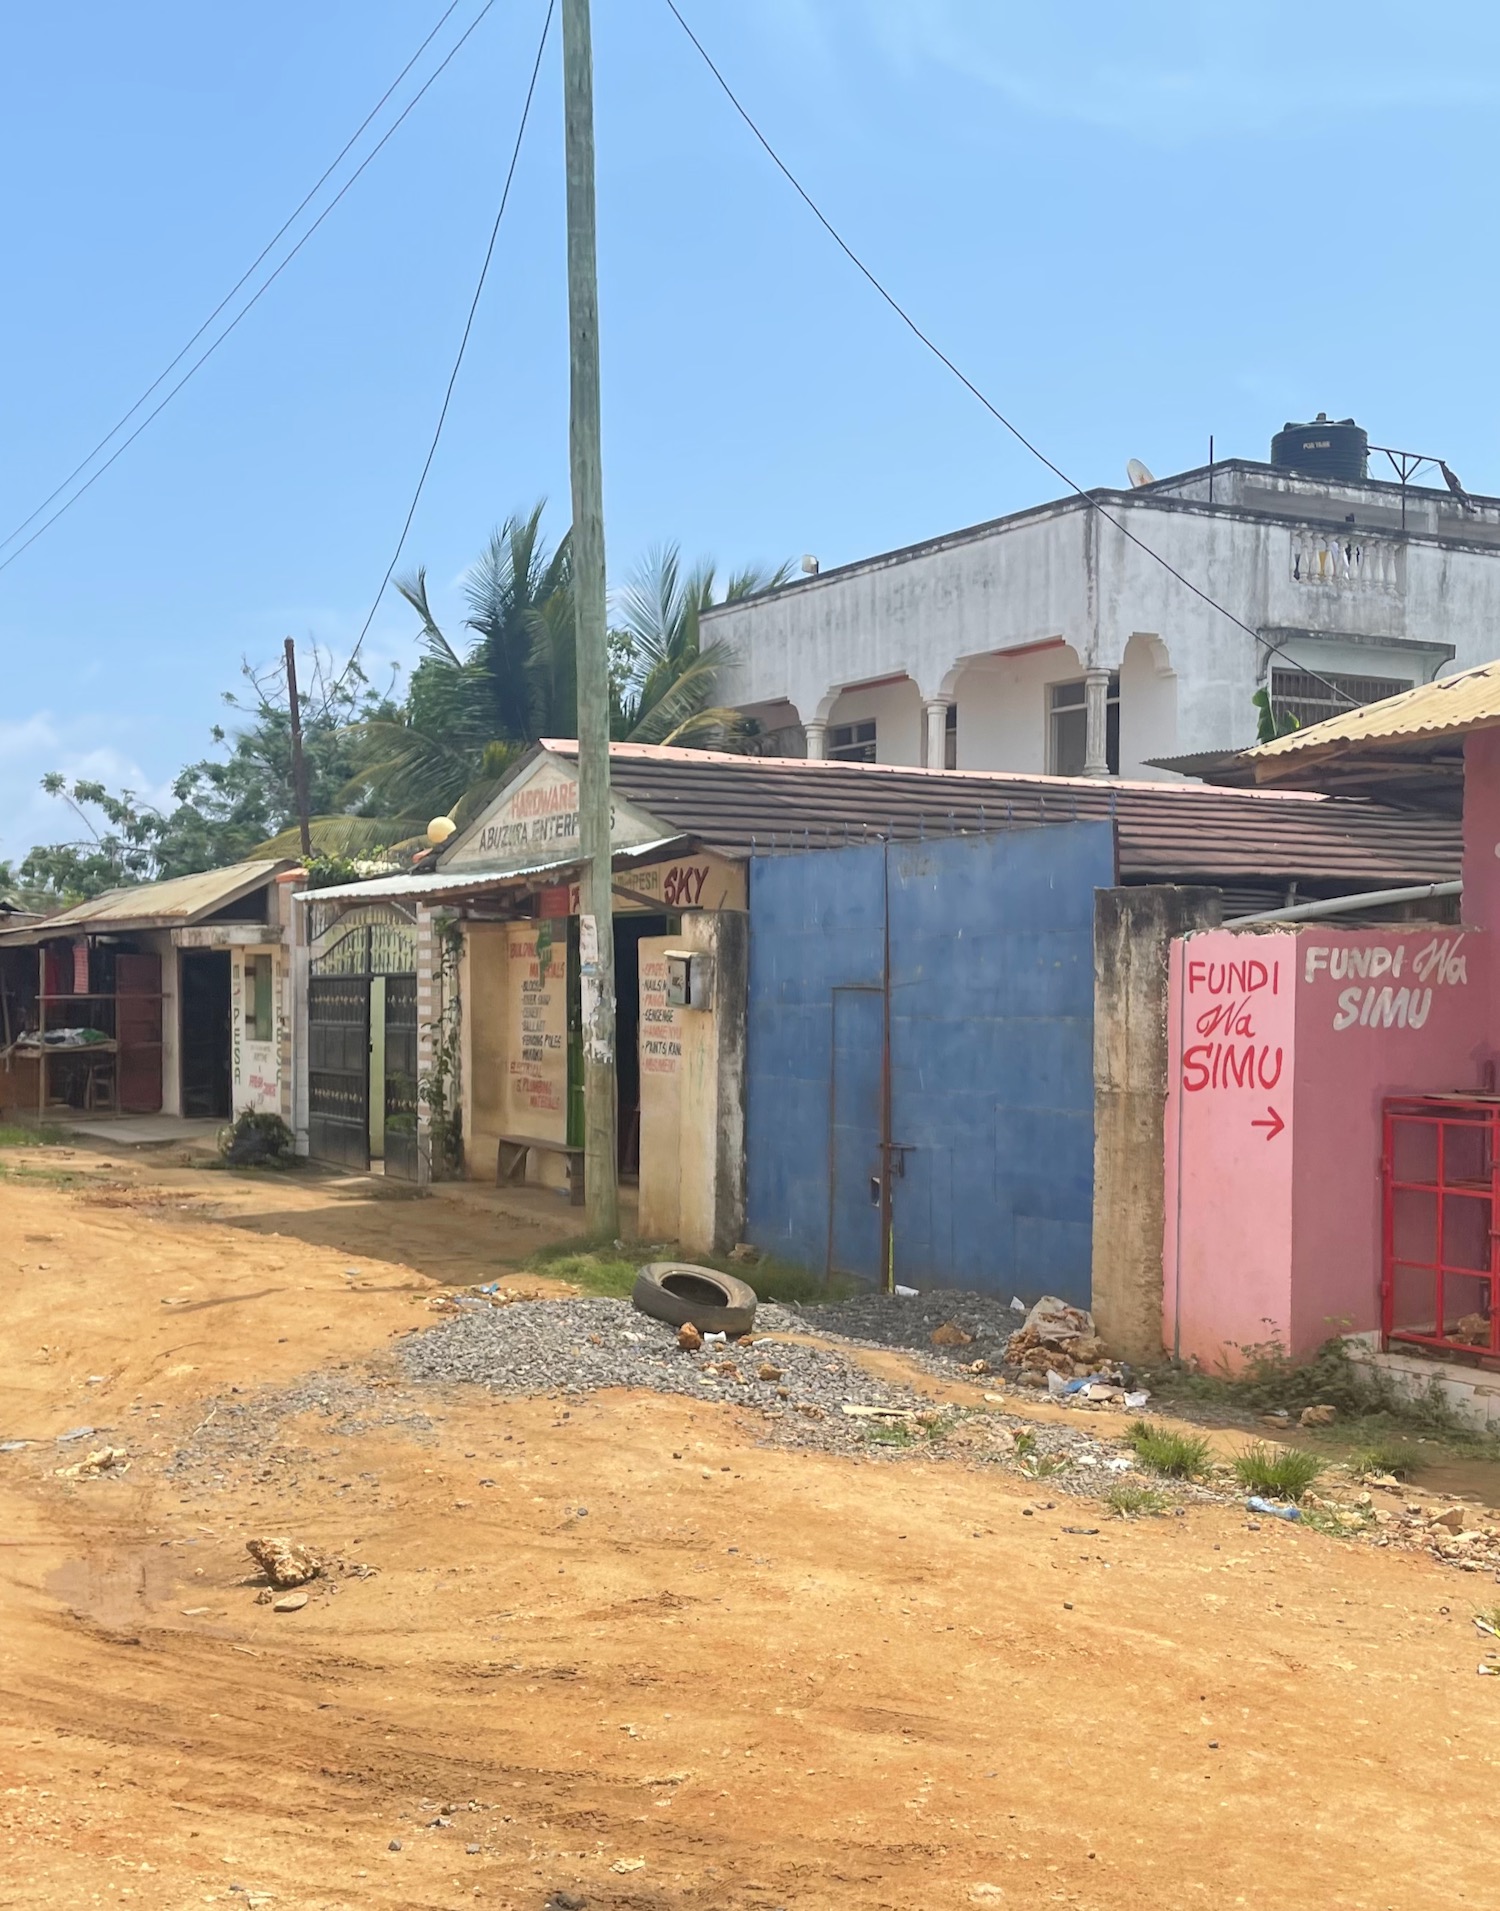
596,926
299,763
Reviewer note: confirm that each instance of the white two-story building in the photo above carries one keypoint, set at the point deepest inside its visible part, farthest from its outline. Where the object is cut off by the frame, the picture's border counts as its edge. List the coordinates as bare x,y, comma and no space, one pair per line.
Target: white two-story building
1048,641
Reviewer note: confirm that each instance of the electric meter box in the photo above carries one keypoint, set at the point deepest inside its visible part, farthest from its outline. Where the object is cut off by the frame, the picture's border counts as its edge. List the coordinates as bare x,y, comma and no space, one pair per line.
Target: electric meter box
690,979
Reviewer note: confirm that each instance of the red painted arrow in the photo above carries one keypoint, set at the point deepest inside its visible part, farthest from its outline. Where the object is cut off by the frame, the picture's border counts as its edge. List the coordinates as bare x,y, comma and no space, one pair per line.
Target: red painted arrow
1273,1127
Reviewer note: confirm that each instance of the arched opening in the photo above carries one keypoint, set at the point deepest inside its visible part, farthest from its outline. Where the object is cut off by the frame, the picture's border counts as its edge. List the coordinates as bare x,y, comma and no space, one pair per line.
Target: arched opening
877,722
1148,706
1005,716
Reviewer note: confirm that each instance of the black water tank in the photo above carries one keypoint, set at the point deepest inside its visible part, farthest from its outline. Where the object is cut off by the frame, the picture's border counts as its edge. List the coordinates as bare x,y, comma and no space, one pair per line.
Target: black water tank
1335,448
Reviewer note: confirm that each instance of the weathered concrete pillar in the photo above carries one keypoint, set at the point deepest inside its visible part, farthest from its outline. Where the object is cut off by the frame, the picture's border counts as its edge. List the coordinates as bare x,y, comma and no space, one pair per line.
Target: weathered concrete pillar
1133,931
817,738
937,732
1096,722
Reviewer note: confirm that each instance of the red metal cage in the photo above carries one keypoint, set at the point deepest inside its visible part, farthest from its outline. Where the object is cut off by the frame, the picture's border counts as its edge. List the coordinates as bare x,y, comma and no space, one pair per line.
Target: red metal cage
1440,1184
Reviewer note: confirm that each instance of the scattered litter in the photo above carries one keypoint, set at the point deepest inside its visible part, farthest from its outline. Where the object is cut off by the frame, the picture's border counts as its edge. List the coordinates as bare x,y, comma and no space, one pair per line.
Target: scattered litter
712,1340
1488,1671
856,1411
1255,1504
1085,1532
101,1460
175,1300
76,1433
1017,1305
907,1293
284,1563
628,1864
13,1446
1322,1416
1483,1625
194,1612
1121,1463
1136,1400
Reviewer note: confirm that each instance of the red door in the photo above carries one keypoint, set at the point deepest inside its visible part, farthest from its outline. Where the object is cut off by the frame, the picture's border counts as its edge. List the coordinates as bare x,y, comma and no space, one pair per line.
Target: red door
138,1031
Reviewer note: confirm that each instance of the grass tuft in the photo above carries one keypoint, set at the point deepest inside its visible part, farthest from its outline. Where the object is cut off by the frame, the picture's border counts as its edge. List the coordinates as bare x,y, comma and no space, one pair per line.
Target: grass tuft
595,1273
21,1135
1399,1458
1129,1500
1180,1456
1282,1473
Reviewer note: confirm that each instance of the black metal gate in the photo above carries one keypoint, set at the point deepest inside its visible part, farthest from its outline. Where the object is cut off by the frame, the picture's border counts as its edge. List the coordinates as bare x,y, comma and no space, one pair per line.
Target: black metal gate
401,1076
338,1071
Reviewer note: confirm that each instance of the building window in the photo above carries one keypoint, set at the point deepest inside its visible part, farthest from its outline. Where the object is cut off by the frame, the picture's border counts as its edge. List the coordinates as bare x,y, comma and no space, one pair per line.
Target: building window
852,742
260,1018
1068,715
950,738
1301,696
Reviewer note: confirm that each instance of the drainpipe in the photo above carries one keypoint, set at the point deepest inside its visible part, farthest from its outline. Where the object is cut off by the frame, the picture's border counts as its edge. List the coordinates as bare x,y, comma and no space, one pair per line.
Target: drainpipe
1346,905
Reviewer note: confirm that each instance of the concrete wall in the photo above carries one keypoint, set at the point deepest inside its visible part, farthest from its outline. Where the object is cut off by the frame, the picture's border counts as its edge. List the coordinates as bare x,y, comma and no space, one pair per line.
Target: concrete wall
711,1161
255,1076
1133,932
659,1213
1283,1045
897,711
1062,571
1003,708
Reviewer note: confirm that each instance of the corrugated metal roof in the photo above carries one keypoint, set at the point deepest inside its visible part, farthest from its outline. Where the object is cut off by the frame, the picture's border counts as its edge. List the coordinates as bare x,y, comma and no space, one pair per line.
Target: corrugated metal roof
433,885
181,899
1167,832
1468,700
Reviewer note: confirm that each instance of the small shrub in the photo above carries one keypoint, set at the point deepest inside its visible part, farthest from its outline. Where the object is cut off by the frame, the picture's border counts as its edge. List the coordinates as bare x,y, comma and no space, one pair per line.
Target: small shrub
1128,1499
1398,1458
1282,1473
256,1140
889,1433
1179,1455
1025,1445
20,1135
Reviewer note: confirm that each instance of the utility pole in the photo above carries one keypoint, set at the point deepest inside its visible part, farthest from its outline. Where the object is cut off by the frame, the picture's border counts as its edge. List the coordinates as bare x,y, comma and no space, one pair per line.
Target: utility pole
299,762
596,939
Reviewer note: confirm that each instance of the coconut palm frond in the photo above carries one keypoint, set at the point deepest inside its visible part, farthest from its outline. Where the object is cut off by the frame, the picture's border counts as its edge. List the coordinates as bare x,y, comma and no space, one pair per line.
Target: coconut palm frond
553,665
410,768
345,836
437,646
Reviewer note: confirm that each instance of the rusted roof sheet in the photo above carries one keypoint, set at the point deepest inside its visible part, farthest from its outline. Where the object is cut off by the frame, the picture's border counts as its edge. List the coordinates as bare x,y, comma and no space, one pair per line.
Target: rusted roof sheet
1468,700
170,904
1166,832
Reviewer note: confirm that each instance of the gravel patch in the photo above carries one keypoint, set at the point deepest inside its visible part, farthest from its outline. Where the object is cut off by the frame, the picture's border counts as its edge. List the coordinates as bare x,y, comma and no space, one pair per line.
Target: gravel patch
247,1430
893,1320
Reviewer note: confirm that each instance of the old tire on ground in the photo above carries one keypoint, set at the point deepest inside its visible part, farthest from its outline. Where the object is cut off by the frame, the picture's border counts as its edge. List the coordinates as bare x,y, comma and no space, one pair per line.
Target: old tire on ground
677,1292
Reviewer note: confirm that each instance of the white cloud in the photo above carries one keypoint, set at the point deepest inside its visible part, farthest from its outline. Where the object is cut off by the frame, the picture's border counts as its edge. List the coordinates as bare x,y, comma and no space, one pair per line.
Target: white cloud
1173,71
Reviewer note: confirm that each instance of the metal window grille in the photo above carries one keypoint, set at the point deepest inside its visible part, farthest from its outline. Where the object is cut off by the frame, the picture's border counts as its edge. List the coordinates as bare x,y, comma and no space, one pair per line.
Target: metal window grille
1309,699
1440,1185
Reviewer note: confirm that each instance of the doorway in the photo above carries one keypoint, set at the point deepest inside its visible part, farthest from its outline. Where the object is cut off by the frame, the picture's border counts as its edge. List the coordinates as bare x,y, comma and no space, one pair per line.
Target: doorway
205,1032
630,932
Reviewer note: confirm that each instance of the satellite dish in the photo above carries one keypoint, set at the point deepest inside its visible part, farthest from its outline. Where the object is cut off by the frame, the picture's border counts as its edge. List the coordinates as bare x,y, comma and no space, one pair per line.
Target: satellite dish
809,565
1138,474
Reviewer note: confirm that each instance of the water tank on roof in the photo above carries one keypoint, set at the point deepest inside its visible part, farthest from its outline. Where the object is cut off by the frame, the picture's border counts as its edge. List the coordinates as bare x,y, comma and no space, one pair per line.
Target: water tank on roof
1335,448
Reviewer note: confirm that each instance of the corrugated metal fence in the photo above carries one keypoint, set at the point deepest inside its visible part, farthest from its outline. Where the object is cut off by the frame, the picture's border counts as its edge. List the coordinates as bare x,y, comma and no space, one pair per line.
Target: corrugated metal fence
920,1061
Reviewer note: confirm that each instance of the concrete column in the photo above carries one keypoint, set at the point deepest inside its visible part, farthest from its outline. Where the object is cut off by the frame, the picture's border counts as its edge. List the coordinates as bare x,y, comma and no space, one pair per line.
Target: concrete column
817,739
937,731
428,984
1096,717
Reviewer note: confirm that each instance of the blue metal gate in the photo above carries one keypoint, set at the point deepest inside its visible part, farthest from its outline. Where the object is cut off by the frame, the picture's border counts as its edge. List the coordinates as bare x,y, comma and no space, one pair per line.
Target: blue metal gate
920,1059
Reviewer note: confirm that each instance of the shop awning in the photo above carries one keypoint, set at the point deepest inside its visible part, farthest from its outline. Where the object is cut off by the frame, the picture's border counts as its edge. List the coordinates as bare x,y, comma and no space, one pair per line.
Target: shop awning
437,885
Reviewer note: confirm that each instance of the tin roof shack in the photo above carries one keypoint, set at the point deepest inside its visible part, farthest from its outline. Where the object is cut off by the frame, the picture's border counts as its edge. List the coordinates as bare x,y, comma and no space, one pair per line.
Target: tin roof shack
164,998
1331,1157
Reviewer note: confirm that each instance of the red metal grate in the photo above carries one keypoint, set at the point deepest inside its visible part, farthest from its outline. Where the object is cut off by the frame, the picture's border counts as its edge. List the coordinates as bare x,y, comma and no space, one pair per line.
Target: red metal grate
1440,1172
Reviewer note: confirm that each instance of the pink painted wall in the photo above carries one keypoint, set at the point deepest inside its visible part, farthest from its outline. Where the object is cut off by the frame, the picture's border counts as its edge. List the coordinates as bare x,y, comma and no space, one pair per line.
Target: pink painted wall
1273,1171
1229,1136
1379,1012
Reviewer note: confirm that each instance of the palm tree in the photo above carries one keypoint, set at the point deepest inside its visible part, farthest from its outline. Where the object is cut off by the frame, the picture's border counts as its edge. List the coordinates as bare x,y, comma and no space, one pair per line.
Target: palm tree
669,682
470,713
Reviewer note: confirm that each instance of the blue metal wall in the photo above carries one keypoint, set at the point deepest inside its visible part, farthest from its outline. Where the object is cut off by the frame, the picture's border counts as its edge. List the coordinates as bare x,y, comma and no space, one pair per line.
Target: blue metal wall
992,978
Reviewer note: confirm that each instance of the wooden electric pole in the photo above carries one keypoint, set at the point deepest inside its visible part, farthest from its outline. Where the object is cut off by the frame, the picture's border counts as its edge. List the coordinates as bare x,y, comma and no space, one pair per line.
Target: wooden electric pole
299,762
596,925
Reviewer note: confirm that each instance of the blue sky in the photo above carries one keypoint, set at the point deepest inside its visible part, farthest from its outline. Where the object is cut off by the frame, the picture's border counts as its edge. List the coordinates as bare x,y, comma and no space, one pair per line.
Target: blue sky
1133,225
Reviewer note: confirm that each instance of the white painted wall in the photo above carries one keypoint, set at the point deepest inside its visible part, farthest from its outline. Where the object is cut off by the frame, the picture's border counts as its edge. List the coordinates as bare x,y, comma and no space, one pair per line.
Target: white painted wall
897,712
1188,673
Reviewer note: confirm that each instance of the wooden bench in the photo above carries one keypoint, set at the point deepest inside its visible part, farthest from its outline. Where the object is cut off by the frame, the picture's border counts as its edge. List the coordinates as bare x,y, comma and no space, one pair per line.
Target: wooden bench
510,1162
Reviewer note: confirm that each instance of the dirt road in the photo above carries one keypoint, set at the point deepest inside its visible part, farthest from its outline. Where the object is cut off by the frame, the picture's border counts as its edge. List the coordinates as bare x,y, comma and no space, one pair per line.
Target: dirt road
617,1651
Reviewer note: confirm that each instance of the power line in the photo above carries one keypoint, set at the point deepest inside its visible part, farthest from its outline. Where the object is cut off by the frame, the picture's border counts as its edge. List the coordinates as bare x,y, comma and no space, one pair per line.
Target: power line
463,343
167,369
254,300
942,357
